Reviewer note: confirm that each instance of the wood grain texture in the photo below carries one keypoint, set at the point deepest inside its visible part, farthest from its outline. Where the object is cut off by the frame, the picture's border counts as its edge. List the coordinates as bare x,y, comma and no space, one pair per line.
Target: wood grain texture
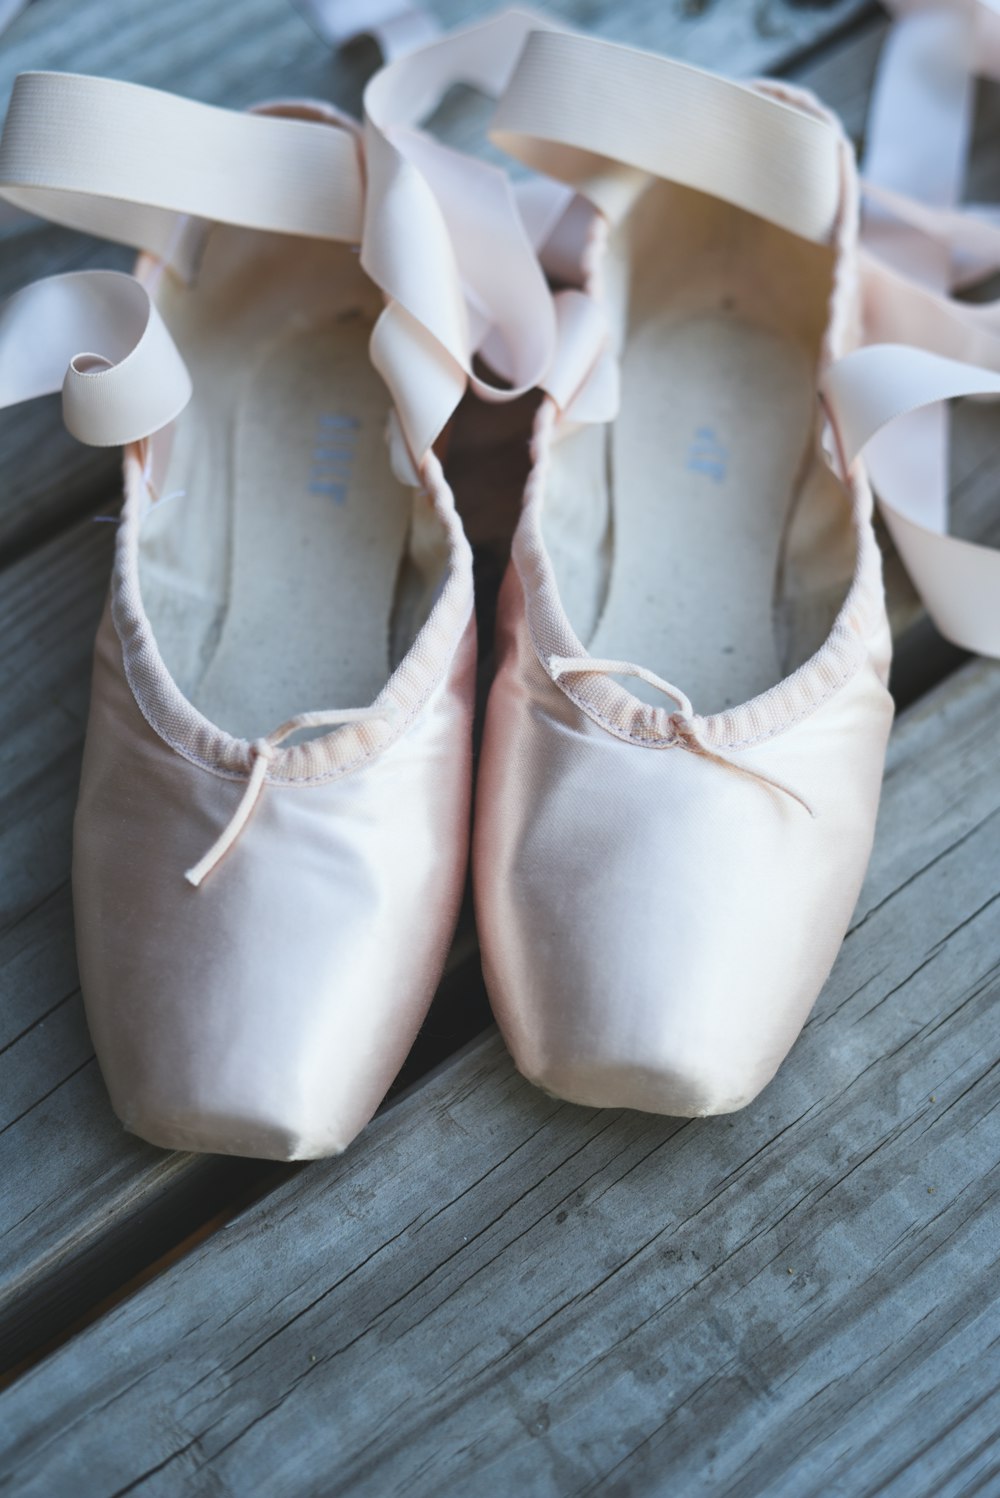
495,1291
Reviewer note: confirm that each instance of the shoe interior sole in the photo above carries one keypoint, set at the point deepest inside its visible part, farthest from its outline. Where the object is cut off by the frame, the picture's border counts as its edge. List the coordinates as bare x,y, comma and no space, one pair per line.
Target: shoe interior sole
711,542
271,560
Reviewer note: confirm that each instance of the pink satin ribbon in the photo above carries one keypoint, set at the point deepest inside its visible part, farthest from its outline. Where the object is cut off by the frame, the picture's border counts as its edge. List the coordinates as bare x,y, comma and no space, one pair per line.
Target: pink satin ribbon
919,247
454,249
445,239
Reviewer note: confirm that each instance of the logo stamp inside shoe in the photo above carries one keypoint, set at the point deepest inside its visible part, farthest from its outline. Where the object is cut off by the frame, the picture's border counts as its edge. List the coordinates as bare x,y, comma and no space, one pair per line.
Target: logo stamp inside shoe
333,455
708,455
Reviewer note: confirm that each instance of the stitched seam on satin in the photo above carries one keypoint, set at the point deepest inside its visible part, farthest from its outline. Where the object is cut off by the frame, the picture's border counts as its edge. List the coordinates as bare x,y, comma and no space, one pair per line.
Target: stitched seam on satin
288,782
651,741
299,780
654,741
128,609
867,553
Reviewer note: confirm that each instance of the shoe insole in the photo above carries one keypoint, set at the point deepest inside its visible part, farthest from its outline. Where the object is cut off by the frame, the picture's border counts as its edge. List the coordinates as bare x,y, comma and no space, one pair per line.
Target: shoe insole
270,567
705,459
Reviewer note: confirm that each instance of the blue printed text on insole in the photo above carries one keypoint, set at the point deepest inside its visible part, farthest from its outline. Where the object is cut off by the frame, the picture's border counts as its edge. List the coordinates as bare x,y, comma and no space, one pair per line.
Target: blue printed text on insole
708,455
333,456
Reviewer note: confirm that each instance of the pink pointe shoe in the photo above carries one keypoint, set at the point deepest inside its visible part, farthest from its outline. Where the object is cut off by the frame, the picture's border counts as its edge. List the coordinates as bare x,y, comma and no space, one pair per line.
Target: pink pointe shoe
685,739
263,916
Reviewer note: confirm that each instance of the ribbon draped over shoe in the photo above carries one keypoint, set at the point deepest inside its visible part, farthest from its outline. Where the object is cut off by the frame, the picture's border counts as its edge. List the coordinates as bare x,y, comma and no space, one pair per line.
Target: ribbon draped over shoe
460,255
603,119
445,237
919,248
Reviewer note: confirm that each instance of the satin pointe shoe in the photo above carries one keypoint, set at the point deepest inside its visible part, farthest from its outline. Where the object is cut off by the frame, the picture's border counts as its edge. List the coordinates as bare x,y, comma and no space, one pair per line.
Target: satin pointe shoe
272,832
685,738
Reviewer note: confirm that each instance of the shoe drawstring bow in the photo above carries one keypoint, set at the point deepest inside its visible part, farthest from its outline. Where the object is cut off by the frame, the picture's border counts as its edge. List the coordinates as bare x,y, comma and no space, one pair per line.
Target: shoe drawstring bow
684,722
262,752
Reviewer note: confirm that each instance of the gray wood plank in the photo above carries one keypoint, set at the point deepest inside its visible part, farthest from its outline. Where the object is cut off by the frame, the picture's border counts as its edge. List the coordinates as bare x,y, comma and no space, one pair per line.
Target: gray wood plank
494,1291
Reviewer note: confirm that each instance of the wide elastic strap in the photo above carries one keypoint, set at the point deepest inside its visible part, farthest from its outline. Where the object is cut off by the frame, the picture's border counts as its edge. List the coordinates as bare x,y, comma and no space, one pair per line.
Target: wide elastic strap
958,580
575,103
124,162
96,336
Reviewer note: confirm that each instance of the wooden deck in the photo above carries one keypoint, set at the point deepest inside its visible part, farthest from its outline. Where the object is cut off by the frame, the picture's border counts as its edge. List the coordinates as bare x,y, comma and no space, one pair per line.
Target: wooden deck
492,1291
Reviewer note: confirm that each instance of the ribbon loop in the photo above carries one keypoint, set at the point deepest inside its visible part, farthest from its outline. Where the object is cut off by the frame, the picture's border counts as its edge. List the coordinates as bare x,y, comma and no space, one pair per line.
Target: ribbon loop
604,118
98,337
919,247
445,239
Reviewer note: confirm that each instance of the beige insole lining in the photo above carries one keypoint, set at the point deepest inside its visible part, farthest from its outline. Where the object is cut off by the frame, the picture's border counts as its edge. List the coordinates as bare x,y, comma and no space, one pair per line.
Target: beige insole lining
702,534
705,459
270,564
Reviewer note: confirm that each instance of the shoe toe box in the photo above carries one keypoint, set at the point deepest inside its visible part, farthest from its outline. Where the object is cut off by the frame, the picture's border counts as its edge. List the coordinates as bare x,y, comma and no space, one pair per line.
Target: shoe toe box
267,1011
656,926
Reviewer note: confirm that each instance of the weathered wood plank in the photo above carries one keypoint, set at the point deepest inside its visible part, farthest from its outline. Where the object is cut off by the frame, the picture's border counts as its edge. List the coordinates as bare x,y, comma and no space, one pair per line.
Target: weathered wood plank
495,1291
